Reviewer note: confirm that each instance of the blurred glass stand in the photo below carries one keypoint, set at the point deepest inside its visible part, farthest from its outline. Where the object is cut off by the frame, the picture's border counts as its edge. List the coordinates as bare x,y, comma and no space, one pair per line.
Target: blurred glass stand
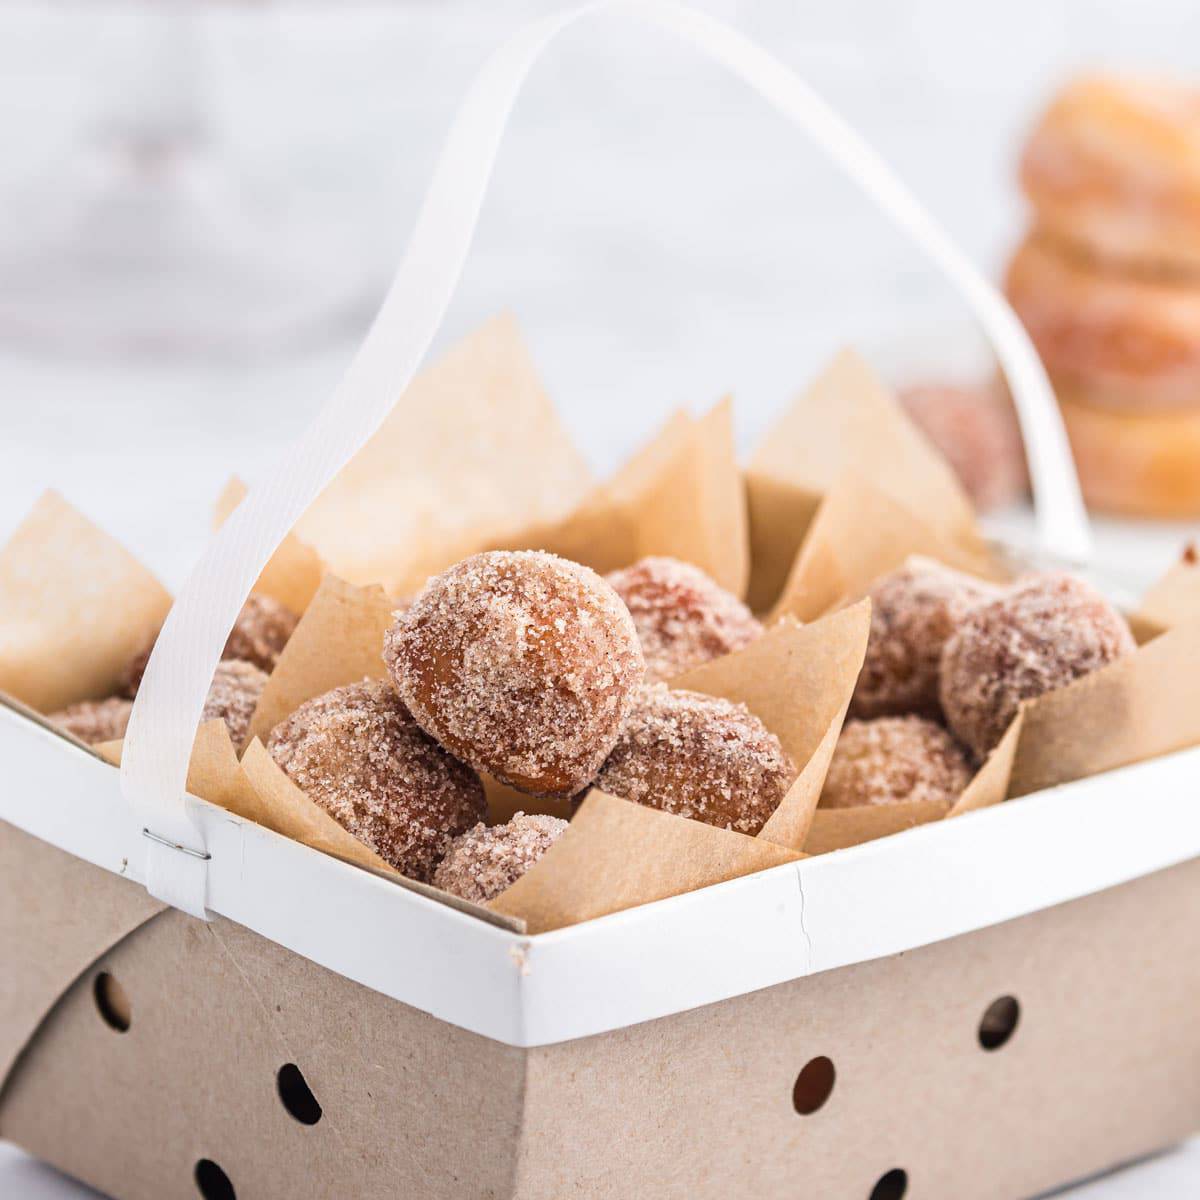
146,240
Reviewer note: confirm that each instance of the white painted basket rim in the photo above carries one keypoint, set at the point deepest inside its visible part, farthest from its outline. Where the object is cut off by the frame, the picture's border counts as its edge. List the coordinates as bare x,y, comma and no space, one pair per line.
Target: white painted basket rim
937,881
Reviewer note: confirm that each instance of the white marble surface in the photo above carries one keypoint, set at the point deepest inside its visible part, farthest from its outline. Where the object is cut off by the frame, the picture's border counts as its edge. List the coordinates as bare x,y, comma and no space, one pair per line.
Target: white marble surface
663,240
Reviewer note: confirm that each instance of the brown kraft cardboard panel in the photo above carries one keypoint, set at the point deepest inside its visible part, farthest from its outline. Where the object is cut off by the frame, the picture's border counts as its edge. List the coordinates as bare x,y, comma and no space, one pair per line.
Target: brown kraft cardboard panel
57,916
1102,1066
410,1106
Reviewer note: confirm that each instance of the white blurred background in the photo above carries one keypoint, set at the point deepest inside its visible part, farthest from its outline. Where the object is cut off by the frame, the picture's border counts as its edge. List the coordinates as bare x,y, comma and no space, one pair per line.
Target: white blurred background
662,236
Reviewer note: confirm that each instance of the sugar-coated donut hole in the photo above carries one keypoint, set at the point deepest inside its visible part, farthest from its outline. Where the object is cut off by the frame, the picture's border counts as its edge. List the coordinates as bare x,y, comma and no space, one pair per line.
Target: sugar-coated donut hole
259,634
261,631
357,753
701,757
683,617
233,696
521,663
483,862
914,611
894,760
94,721
1040,635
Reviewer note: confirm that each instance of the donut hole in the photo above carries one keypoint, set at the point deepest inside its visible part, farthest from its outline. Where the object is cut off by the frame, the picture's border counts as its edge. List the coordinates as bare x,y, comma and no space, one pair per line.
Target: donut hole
999,1022
112,1002
814,1085
891,1186
296,1096
212,1182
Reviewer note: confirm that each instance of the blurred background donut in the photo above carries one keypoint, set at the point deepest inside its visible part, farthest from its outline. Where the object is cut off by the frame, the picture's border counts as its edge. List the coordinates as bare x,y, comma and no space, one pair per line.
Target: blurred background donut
1107,281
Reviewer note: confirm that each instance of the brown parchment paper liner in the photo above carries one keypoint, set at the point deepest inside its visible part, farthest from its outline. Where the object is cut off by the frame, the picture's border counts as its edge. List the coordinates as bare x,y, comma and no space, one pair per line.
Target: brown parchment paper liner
1173,600
1136,708
681,495
616,854
214,773
798,680
472,452
845,421
75,607
838,828
858,534
339,640
294,571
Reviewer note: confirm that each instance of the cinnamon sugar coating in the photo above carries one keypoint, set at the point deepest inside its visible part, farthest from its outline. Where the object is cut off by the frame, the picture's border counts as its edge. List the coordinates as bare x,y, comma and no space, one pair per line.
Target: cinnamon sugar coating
683,618
483,862
95,721
131,677
357,753
261,631
893,760
700,757
1041,635
521,663
233,696
258,636
914,610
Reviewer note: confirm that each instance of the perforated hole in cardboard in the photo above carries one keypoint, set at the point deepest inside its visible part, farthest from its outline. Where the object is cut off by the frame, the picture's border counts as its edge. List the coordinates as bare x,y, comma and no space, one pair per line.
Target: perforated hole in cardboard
999,1022
213,1182
296,1095
814,1085
112,1002
892,1186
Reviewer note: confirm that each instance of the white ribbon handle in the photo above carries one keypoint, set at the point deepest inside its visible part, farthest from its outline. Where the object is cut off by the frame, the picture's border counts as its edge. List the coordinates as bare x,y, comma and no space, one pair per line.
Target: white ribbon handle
159,739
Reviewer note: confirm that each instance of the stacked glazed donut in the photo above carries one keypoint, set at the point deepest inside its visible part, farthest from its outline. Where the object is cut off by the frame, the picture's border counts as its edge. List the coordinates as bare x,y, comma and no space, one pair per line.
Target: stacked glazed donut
1107,282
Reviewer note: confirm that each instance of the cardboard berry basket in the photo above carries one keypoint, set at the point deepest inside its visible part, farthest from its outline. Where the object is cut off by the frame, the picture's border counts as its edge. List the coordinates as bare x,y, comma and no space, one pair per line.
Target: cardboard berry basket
193,1004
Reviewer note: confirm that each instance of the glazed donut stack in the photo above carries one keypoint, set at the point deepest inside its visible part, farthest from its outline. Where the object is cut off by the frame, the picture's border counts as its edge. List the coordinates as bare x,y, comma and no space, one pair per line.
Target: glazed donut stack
1107,282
